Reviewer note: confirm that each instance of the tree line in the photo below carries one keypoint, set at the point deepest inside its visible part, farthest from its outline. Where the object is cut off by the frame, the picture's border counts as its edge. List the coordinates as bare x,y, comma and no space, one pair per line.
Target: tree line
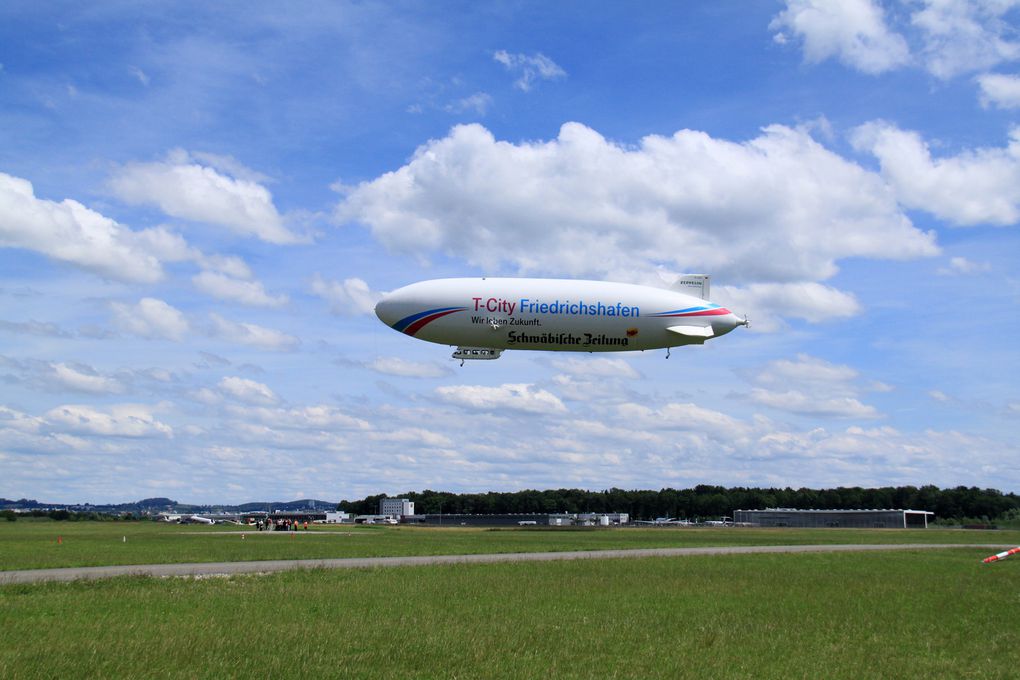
63,515
706,502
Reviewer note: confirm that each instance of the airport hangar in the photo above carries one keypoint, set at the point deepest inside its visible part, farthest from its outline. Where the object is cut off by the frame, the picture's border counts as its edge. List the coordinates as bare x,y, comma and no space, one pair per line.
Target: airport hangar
846,519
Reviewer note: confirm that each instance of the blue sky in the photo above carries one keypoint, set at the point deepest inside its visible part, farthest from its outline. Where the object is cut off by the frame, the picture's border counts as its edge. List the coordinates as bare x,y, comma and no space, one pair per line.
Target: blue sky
199,206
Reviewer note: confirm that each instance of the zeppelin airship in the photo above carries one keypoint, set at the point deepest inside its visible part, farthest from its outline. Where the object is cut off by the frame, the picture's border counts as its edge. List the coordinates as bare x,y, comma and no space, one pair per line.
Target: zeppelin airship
481,317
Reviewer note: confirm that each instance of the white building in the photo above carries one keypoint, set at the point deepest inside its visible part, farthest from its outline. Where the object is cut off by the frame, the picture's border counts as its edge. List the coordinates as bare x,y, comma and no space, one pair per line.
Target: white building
395,507
338,517
602,519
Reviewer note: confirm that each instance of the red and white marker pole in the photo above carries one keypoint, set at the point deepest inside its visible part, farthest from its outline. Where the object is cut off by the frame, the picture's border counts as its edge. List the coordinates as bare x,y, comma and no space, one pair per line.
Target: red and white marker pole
1003,555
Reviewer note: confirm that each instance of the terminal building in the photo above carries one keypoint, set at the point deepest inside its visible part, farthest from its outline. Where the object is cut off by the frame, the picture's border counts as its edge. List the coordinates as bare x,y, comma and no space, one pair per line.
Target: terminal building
396,507
846,519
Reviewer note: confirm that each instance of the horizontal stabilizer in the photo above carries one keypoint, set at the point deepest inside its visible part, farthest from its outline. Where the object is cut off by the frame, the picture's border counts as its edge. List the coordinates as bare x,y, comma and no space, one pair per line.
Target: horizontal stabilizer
692,331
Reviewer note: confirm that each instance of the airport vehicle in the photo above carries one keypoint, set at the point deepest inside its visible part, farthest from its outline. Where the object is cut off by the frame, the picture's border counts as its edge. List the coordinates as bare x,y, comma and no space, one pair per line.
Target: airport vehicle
482,317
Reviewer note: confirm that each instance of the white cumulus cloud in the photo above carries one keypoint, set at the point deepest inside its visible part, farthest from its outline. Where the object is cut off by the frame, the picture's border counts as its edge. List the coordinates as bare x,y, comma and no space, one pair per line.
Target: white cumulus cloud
945,37
979,186
308,418
248,391
805,369
799,402
596,368
246,292
961,36
512,397
814,387
408,369
1000,90
82,379
853,31
124,420
683,416
765,304
250,334
413,436
778,208
150,318
16,420
181,186
69,232
962,266
350,296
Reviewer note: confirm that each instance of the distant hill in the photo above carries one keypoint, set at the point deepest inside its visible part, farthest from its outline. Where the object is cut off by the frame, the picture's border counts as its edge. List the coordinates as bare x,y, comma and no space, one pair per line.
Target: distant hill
153,506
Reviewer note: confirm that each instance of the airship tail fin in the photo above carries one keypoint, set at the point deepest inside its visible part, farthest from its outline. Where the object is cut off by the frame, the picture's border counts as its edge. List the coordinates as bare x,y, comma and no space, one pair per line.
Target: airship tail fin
693,284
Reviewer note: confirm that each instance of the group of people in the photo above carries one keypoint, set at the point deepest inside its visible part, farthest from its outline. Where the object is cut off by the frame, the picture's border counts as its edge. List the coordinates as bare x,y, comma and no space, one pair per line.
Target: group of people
268,524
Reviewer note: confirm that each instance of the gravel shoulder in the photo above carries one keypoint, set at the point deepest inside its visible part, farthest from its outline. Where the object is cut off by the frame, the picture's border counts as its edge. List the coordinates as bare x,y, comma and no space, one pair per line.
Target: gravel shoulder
269,566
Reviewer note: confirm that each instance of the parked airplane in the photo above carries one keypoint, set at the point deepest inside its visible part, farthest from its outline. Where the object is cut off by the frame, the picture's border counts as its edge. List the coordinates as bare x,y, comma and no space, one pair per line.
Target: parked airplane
664,522
185,519
484,316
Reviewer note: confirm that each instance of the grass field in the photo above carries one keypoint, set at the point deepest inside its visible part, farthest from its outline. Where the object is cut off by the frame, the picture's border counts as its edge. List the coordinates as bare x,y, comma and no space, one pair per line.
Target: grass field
34,544
936,614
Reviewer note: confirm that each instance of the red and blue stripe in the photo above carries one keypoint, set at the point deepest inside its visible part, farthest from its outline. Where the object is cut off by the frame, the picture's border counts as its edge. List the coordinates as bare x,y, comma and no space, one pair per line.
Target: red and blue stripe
701,310
414,323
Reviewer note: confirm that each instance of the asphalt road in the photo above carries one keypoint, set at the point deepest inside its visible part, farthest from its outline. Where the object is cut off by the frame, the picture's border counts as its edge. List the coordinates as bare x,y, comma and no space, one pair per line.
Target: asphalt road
267,566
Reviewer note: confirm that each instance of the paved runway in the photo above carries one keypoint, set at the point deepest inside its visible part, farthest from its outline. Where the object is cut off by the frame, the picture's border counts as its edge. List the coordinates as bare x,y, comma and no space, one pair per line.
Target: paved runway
263,567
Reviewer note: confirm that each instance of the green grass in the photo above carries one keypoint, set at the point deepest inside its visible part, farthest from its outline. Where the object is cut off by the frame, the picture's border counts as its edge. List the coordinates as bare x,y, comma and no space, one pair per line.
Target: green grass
936,614
34,544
